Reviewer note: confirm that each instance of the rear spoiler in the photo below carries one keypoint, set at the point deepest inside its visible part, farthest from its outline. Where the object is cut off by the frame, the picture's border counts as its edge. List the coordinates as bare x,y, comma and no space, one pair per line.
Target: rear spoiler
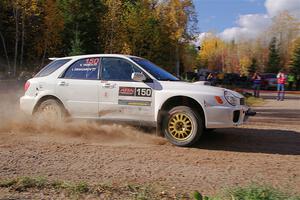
52,58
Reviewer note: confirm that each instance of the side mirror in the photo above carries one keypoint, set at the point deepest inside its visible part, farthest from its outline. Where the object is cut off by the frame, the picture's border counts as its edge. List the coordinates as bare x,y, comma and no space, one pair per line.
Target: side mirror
138,76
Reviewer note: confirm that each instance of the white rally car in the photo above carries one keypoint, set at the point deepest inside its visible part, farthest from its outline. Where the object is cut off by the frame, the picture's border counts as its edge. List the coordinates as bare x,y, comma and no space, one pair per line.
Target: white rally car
123,88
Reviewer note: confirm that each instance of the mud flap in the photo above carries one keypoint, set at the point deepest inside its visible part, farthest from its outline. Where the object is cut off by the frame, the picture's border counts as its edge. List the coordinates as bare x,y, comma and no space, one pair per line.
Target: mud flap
161,115
249,113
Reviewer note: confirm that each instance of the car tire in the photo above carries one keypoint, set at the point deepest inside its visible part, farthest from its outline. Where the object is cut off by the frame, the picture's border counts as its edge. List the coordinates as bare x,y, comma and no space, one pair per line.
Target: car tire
183,126
50,109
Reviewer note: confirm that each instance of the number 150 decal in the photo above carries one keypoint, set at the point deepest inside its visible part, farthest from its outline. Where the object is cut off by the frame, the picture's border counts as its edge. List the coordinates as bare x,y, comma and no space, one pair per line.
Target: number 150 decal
132,91
143,92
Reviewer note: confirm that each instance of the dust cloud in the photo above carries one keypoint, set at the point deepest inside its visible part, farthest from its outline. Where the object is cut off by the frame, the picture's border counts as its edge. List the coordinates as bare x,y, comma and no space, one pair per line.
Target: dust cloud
13,121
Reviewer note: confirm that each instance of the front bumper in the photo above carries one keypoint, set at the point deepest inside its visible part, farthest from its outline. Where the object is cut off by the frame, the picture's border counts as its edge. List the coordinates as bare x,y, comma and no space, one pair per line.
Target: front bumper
226,117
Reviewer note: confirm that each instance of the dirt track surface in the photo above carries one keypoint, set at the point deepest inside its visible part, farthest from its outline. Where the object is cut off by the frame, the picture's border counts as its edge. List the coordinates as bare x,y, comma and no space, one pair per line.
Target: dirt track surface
266,150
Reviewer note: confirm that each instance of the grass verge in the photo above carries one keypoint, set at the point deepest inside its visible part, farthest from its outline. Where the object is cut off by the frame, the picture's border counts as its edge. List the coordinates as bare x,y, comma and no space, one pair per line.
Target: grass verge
80,190
253,101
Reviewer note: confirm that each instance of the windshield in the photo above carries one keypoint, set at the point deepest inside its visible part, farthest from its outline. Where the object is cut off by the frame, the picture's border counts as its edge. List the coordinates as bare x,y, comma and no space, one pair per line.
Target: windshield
154,70
51,67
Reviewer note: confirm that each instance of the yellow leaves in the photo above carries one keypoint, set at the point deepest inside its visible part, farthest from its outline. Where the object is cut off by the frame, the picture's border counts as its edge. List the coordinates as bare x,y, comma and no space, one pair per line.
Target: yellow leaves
112,26
212,50
28,7
52,27
126,49
245,63
175,16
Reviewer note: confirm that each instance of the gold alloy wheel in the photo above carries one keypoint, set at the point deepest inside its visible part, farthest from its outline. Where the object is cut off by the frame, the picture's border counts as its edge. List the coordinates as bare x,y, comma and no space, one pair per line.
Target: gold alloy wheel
51,111
180,126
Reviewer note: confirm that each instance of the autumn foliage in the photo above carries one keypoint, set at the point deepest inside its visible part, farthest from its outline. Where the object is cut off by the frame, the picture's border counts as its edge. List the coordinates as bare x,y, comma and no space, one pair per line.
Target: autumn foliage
32,30
269,52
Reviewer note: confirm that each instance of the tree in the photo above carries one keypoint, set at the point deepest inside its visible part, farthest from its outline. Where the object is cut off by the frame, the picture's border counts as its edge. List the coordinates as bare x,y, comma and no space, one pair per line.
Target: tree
175,15
253,67
212,52
112,32
286,28
295,61
274,59
51,32
154,29
76,45
85,17
244,64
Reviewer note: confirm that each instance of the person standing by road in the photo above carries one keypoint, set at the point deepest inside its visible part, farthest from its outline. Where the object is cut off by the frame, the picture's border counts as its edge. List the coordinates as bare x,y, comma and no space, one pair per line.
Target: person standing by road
256,84
291,80
280,86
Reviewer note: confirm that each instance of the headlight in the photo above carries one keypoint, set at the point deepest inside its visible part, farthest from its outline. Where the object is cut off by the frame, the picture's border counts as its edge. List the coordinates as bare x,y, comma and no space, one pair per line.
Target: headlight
230,98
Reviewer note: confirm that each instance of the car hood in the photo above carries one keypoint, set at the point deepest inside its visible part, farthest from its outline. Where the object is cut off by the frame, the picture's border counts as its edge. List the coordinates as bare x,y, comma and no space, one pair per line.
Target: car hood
196,87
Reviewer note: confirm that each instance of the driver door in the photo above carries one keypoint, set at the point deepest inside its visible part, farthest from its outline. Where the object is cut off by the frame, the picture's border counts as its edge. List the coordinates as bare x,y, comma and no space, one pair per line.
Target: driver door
122,98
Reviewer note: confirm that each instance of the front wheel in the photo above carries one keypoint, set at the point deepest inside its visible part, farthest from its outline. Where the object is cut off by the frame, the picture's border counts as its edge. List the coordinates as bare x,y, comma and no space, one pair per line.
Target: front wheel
183,126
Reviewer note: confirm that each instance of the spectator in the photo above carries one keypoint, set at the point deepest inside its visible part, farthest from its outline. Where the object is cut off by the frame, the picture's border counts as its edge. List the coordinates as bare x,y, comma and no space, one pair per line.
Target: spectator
280,86
291,80
211,78
256,84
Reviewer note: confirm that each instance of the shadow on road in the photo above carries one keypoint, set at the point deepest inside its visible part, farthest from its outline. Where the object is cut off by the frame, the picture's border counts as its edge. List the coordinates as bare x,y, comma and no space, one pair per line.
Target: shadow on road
289,114
252,141
274,96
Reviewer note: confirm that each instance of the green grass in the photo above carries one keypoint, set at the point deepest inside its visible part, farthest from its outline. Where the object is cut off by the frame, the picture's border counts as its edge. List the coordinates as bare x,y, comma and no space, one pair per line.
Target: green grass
258,192
253,101
23,183
140,192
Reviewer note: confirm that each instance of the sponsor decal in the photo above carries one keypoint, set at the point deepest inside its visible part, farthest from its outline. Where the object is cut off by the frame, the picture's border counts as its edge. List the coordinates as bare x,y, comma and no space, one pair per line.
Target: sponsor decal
126,91
132,91
77,69
134,103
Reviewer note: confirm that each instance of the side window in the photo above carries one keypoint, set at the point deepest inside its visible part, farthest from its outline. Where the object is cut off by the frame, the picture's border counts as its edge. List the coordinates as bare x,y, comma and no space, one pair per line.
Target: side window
117,69
52,67
83,69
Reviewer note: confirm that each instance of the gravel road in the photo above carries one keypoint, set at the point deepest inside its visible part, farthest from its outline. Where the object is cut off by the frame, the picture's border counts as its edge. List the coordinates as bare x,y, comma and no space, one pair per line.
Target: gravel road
265,150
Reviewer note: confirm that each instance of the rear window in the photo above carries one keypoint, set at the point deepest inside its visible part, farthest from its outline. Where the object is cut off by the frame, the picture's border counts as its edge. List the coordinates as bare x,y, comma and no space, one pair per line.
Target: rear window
51,67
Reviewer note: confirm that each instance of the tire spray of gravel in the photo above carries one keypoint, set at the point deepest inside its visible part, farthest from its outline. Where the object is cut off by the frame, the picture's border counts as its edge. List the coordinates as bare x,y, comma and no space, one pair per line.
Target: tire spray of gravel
13,121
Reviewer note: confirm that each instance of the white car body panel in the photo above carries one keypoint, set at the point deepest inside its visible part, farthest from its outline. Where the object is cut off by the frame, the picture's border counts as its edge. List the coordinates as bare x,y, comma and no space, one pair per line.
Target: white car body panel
98,99
80,97
111,103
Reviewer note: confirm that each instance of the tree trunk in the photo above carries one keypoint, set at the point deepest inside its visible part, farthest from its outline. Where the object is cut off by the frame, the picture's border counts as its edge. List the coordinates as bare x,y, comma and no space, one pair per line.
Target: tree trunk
16,16
44,55
177,61
22,40
5,52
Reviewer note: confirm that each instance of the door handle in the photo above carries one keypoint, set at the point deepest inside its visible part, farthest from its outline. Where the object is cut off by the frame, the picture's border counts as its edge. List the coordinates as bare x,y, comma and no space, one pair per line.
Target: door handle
108,85
63,83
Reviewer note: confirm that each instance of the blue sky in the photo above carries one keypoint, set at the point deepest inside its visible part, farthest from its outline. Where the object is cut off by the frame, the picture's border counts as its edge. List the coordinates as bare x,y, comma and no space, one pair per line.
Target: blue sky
217,15
238,19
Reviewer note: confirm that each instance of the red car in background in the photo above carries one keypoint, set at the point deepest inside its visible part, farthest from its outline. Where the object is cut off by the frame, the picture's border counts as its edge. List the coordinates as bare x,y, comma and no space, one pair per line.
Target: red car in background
268,81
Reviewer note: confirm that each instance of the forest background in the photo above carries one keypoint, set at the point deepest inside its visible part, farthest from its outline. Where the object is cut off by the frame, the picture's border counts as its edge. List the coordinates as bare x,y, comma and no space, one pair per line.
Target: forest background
163,31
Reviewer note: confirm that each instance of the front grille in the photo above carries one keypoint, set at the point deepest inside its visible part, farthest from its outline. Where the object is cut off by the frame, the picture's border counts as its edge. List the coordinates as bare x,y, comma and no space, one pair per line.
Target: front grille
242,101
236,116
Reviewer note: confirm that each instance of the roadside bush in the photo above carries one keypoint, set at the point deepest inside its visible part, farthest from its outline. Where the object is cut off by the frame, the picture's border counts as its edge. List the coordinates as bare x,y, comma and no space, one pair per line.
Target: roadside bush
257,192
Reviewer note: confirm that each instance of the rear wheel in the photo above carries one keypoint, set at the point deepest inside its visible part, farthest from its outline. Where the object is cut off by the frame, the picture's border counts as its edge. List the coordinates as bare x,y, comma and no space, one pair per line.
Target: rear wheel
183,126
50,109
